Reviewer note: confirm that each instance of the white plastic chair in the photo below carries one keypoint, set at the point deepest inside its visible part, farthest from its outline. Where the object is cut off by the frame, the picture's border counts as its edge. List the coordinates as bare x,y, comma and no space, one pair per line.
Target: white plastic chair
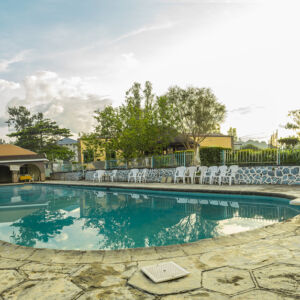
202,170
113,175
179,173
210,174
142,176
99,174
230,176
133,174
223,170
190,173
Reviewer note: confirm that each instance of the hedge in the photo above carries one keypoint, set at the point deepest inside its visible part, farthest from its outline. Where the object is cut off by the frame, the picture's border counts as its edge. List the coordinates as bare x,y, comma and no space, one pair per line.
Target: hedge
211,156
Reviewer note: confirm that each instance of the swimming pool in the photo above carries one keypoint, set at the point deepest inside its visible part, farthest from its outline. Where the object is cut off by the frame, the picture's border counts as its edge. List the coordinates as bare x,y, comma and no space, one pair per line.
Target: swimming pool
90,218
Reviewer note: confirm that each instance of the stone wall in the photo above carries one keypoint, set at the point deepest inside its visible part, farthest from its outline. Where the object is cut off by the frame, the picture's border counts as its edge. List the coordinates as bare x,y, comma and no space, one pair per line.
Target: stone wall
269,175
67,176
245,175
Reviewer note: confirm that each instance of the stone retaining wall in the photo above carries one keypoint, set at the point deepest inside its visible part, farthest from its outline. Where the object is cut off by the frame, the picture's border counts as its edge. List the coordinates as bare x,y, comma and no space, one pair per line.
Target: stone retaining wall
269,175
245,175
67,176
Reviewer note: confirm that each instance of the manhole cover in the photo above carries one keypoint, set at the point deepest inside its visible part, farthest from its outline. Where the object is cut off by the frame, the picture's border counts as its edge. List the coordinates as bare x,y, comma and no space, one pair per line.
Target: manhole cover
164,271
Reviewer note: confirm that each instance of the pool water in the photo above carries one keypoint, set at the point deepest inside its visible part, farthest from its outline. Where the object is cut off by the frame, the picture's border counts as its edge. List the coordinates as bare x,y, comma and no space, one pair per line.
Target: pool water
89,218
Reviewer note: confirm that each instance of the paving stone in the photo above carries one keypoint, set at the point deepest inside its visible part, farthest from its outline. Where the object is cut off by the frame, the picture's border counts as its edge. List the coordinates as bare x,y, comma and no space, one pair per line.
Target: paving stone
197,295
200,247
279,277
188,283
43,255
116,293
144,254
117,256
67,257
227,280
170,251
291,243
9,278
6,263
260,295
129,270
245,257
51,290
224,241
15,252
98,275
267,250
45,275
91,257
55,268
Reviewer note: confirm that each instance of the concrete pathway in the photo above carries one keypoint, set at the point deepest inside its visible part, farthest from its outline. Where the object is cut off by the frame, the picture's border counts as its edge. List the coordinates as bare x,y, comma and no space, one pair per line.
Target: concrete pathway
259,264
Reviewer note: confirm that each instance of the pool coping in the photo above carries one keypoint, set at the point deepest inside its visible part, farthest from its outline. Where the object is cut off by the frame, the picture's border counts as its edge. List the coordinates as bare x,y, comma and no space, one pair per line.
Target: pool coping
141,256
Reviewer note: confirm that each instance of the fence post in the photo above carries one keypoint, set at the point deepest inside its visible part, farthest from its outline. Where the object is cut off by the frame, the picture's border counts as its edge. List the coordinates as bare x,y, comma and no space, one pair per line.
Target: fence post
184,158
152,162
223,160
278,157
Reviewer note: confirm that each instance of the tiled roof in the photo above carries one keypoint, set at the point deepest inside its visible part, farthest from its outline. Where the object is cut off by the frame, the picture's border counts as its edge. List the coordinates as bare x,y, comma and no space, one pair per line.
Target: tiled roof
13,150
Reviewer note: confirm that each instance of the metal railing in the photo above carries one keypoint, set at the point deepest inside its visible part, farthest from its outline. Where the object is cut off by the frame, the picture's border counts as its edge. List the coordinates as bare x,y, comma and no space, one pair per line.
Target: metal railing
264,157
183,158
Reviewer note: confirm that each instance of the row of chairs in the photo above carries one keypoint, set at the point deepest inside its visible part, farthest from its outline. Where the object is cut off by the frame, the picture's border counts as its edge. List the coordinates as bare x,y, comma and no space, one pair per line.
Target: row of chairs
207,175
135,175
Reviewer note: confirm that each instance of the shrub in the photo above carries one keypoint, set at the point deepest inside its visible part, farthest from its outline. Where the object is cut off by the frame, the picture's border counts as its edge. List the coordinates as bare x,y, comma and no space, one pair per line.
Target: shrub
211,156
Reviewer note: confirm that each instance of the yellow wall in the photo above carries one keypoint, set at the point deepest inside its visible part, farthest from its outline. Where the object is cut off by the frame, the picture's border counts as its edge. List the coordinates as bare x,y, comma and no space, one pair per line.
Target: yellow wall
217,141
82,148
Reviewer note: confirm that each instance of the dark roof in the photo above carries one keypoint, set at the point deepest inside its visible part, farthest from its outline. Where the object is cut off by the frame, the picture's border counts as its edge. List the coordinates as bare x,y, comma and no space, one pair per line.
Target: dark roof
66,141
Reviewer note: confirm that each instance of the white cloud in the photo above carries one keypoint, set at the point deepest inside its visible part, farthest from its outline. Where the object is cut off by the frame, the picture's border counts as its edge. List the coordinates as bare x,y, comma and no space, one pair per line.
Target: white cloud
8,85
69,101
5,63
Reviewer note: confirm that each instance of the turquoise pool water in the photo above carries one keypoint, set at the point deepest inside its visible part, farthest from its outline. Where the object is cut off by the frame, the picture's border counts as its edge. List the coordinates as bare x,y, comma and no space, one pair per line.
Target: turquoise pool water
68,217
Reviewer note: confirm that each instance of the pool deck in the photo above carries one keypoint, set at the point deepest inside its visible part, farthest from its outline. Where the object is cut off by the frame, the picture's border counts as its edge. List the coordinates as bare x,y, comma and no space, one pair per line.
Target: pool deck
259,264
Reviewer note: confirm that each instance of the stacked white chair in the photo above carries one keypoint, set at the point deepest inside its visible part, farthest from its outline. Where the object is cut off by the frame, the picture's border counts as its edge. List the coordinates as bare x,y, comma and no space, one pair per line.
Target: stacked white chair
142,176
210,174
190,172
99,174
179,173
113,176
133,174
223,171
202,170
231,175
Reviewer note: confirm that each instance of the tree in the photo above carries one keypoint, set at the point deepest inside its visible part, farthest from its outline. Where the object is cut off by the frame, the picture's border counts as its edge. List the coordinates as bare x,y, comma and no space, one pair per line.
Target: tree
295,124
249,147
36,133
289,142
196,112
232,132
141,126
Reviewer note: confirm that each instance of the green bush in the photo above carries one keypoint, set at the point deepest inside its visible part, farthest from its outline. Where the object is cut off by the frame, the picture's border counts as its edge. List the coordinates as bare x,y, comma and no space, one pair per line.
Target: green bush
211,156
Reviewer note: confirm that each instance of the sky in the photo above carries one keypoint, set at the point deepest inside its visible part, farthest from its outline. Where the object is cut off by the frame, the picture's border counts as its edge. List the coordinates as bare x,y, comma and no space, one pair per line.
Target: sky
68,58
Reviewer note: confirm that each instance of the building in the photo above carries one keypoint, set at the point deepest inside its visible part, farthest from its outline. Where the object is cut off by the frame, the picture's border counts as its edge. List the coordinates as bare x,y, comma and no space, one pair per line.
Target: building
71,145
16,161
208,140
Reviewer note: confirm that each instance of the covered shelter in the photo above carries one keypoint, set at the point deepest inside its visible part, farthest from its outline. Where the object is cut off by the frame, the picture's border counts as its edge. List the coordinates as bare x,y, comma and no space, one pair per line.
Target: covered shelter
16,161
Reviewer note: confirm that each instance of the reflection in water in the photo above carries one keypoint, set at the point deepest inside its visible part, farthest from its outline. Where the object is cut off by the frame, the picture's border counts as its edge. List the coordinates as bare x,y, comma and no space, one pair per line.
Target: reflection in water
85,218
